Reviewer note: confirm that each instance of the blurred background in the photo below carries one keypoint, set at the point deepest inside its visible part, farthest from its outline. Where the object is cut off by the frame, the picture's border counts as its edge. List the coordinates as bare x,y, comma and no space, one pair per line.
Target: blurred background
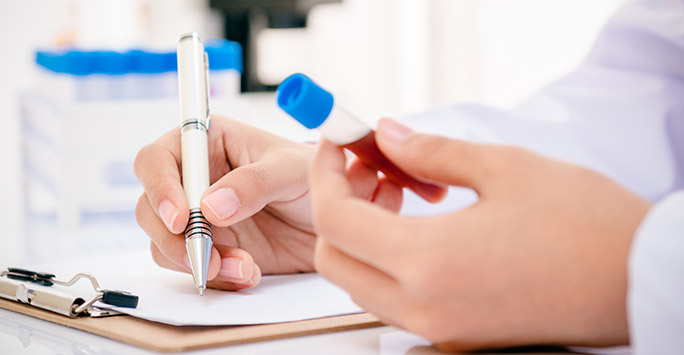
68,138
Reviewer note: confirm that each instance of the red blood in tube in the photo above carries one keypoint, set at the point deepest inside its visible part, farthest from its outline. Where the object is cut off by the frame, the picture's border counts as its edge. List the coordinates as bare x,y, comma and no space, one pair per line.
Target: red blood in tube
367,150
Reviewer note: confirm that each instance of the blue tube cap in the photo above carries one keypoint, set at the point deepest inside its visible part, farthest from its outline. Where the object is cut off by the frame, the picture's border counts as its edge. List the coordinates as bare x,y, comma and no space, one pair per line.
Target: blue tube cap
304,100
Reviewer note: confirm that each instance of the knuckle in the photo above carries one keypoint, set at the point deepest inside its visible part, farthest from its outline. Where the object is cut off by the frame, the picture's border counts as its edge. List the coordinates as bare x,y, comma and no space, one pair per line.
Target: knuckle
422,145
163,183
140,157
142,204
434,149
256,175
502,161
159,188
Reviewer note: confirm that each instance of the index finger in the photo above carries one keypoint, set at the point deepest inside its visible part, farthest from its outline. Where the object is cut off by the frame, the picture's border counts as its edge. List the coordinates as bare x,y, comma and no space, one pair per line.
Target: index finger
157,166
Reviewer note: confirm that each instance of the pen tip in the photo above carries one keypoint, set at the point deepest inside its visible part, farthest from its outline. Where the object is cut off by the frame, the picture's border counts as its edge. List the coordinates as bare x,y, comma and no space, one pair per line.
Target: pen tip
201,291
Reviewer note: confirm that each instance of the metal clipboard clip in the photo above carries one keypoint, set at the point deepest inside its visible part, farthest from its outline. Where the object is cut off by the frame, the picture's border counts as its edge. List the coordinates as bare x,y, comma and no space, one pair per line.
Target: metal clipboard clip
19,285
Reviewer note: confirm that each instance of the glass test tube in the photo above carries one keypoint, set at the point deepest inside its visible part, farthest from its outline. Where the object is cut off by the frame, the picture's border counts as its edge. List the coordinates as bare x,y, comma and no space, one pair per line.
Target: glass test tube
314,108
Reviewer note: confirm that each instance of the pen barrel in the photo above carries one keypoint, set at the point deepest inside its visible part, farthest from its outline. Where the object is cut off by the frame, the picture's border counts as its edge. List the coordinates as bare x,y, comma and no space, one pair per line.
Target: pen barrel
193,81
195,164
194,116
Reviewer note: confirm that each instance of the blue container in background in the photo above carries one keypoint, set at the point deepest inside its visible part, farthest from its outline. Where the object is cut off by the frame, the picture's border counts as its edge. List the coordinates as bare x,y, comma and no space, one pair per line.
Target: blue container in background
81,75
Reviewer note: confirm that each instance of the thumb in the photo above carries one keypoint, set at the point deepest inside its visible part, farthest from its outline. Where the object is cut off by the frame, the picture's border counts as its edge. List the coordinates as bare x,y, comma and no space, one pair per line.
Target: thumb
435,158
245,190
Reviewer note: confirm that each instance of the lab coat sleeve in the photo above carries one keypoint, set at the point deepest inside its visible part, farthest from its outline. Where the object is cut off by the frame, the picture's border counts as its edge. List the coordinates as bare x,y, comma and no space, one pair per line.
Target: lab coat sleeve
621,112
656,280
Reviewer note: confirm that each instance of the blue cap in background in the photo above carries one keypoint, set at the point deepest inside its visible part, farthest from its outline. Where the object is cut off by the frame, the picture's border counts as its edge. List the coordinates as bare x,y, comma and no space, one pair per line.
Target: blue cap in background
304,100
222,54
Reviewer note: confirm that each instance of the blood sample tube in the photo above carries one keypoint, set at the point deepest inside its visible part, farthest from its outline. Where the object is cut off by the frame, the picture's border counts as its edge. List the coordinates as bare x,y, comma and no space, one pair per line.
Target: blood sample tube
314,108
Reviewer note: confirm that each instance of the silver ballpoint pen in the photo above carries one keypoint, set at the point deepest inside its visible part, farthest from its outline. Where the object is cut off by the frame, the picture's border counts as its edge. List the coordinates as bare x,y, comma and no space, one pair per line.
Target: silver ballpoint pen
193,91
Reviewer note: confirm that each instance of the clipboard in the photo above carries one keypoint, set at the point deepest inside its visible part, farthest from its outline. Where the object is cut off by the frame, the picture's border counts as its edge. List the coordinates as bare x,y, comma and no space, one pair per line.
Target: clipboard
170,338
31,293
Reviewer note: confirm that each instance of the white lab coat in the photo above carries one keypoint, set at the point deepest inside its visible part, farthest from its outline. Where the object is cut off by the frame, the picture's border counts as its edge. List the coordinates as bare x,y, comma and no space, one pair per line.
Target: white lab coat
621,112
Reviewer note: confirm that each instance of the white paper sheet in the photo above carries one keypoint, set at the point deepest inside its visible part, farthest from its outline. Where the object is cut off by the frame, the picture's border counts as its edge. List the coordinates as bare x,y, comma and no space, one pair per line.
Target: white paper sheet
173,299
170,297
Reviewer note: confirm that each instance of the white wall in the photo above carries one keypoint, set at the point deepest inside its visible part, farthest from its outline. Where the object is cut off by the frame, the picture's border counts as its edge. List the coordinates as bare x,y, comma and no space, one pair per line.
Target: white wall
380,57
392,57
523,46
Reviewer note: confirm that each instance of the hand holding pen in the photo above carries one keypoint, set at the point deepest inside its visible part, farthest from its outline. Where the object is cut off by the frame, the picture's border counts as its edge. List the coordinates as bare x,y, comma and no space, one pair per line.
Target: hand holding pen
258,203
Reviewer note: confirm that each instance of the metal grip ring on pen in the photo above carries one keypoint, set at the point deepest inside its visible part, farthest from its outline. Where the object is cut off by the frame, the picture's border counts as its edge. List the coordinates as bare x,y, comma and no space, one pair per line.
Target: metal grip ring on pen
198,226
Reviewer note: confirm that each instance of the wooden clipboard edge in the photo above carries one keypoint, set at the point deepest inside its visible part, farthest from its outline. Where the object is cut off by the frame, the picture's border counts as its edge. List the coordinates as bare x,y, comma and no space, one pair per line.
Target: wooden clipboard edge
169,338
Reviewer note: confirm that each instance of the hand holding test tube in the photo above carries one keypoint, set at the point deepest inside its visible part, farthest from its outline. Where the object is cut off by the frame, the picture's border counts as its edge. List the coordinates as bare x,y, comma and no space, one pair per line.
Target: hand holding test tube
314,107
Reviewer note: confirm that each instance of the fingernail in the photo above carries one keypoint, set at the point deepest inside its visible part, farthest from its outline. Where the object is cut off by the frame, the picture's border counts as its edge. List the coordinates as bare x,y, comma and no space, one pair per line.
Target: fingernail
222,202
168,213
394,130
231,268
